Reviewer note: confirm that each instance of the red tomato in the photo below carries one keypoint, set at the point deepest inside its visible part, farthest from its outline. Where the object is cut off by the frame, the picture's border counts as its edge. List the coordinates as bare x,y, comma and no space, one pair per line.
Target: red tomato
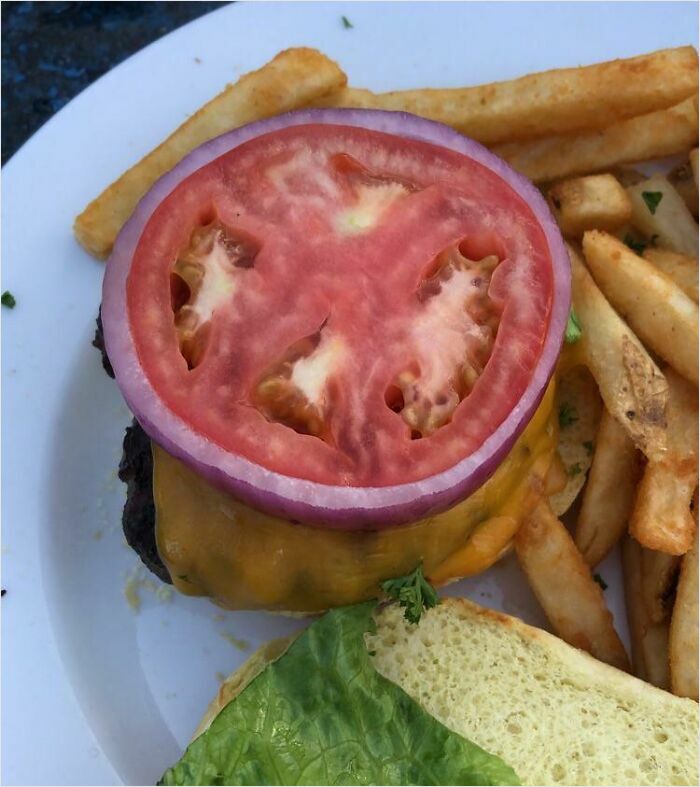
341,305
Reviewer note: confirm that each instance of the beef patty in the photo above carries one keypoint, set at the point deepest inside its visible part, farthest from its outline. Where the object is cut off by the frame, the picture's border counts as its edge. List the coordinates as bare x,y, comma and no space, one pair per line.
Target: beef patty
136,471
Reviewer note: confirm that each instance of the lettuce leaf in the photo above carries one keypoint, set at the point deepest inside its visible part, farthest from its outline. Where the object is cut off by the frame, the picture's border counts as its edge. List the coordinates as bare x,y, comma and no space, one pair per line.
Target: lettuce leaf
321,714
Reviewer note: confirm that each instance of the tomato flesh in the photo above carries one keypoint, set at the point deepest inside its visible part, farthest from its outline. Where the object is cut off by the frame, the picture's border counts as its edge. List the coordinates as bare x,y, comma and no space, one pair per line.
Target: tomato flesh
341,305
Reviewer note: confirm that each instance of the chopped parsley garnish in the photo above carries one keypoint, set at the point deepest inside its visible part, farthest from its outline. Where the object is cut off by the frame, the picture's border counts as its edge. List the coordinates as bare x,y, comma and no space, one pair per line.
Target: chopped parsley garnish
652,200
597,578
575,470
573,328
8,299
588,445
413,592
2,592
637,246
567,415
347,24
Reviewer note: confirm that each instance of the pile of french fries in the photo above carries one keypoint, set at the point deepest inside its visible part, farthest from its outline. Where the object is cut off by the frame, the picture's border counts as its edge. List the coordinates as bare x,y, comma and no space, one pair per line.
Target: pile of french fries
628,469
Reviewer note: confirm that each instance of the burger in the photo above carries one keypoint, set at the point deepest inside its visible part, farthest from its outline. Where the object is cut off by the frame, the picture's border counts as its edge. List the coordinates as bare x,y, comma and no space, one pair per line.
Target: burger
336,330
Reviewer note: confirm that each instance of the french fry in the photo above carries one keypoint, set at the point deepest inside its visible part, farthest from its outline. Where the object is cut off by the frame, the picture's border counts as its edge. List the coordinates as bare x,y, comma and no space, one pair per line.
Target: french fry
682,180
658,134
632,386
562,582
649,640
683,638
659,212
679,268
550,102
634,603
694,165
655,650
661,517
595,201
290,80
659,575
609,493
658,311
628,176
578,406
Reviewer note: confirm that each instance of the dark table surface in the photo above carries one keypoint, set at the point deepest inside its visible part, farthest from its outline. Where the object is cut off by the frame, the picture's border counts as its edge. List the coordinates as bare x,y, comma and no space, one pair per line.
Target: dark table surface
53,50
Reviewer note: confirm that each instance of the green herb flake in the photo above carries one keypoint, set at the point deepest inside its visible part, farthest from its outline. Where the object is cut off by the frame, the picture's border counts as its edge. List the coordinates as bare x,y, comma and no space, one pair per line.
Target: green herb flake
573,328
413,592
575,470
347,24
588,445
637,246
567,415
8,299
652,200
597,578
322,714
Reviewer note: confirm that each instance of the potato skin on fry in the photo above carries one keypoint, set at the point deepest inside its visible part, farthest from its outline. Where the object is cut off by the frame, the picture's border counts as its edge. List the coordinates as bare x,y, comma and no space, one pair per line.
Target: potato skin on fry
637,618
659,575
562,582
632,387
658,311
289,81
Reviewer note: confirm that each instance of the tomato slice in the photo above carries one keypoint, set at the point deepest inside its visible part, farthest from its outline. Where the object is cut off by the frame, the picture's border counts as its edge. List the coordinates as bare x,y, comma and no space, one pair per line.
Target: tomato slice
341,305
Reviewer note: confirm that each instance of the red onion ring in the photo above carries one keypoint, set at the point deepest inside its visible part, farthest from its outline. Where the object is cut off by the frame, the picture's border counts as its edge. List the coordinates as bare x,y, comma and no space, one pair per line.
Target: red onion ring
346,508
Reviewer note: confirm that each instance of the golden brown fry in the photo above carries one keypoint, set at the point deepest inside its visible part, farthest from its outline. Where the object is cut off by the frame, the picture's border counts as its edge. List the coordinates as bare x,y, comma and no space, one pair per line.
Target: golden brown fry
679,268
661,517
595,201
683,639
634,602
578,405
563,584
682,180
290,80
658,134
632,387
659,575
658,311
550,102
609,492
658,211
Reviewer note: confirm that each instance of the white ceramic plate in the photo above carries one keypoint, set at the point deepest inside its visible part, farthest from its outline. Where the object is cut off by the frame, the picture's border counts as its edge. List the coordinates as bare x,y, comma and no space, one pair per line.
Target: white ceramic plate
93,692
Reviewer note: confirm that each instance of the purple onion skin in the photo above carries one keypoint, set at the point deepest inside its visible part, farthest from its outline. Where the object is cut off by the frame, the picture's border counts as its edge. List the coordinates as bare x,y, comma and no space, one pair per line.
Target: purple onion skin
300,500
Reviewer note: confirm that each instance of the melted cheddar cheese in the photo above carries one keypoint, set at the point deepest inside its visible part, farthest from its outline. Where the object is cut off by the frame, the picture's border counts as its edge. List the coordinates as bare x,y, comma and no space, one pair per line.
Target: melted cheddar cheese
214,545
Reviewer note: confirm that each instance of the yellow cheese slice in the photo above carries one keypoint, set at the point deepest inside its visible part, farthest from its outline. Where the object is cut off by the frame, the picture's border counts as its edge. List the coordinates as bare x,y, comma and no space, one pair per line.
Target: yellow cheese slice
216,546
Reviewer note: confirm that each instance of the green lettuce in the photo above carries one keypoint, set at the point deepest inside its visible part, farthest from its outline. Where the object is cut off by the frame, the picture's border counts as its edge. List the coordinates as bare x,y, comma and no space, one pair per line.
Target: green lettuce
322,714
